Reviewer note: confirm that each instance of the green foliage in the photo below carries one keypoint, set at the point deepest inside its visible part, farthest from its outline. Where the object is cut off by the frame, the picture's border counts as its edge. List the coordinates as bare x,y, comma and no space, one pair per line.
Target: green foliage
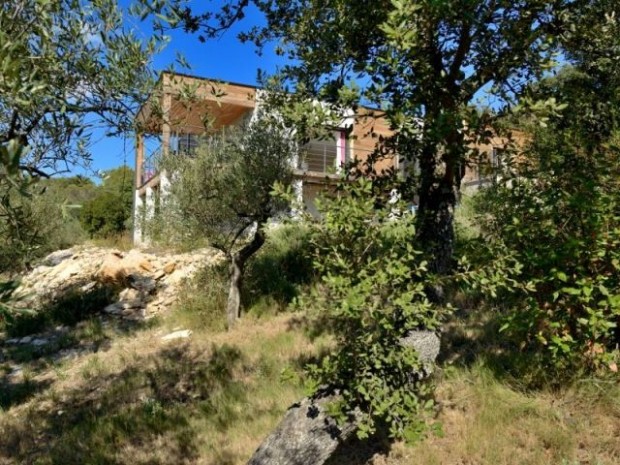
65,197
426,61
104,216
562,228
39,216
281,267
67,66
223,193
372,293
7,312
225,187
31,224
109,211
201,303
554,220
69,307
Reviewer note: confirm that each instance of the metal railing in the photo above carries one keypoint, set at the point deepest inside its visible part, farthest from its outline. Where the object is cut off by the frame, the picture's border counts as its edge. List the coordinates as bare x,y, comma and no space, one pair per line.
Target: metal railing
150,166
320,156
324,158
315,157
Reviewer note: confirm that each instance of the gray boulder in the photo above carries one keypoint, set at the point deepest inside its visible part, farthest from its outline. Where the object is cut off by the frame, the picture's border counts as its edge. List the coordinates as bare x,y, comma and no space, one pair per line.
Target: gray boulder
308,436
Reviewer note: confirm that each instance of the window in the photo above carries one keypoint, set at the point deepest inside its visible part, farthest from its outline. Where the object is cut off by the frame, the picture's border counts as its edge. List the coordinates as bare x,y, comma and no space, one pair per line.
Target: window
183,143
324,155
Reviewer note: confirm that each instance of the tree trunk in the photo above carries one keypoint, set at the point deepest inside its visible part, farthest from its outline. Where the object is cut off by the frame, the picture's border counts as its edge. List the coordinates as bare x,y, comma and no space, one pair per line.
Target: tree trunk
441,173
233,306
435,224
237,267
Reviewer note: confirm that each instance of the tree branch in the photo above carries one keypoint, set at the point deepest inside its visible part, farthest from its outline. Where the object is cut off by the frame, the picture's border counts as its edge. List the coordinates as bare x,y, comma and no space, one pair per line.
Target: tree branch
463,48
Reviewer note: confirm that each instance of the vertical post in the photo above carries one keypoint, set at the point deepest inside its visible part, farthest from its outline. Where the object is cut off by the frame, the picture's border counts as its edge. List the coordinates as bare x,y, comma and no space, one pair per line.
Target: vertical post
165,127
137,201
138,211
139,158
324,158
341,151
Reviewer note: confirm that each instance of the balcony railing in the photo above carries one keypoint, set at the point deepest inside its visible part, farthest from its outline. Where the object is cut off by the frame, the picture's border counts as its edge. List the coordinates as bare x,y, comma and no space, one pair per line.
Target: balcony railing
320,156
150,166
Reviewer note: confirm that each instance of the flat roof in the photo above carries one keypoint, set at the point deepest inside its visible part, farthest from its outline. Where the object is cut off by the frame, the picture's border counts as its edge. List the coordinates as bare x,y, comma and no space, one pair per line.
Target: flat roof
235,83
203,78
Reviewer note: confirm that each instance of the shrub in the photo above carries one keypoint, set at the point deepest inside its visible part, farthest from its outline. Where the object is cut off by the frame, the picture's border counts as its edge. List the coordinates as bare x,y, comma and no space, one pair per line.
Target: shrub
201,303
372,292
556,227
281,267
105,215
69,307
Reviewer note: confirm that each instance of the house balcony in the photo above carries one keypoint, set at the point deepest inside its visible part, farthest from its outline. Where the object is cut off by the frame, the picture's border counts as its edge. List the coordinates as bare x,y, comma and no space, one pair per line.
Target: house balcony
319,161
179,111
323,157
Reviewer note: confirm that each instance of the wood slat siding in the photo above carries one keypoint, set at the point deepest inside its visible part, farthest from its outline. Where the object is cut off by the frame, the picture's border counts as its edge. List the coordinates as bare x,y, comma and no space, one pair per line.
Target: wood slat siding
369,127
239,99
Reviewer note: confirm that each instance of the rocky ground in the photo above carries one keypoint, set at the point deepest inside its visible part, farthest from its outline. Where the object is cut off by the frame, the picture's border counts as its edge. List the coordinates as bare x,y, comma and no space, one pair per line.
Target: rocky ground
144,284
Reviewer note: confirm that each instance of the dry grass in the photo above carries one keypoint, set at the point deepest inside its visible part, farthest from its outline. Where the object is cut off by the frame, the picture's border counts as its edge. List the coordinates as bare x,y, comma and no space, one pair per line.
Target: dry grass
487,422
209,400
123,242
213,398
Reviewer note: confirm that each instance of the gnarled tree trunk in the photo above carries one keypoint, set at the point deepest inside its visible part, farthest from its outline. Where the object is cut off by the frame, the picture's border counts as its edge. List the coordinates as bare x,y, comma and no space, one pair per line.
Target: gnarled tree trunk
233,306
237,267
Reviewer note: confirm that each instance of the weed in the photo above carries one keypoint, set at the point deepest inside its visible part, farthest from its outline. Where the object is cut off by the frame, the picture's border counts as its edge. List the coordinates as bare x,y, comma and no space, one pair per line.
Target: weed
201,303
69,307
93,368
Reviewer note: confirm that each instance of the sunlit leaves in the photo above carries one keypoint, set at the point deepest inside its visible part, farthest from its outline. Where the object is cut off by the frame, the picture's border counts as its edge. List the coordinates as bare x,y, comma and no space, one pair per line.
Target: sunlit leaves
371,295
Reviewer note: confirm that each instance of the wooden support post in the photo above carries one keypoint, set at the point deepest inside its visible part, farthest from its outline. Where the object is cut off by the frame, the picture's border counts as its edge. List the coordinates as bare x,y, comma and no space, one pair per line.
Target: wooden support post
165,127
139,158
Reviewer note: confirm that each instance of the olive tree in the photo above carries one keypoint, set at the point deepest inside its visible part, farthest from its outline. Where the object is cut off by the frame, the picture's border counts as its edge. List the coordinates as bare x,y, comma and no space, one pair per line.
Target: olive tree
68,68
224,193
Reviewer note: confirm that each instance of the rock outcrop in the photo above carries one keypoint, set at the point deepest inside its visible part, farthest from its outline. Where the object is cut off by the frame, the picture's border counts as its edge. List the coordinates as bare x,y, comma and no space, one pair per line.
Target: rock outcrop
148,282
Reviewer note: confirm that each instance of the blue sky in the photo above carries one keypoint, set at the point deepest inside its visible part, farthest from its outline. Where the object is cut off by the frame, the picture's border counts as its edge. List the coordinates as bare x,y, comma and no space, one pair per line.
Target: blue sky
225,58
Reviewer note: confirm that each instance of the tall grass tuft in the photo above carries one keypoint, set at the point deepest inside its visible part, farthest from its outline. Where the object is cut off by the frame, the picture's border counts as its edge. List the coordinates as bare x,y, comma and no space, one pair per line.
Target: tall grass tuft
201,304
280,270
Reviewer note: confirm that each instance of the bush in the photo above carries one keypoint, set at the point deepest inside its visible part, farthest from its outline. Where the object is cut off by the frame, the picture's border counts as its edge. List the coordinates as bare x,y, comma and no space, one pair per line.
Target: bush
556,227
372,293
71,306
109,211
30,225
281,267
105,215
201,303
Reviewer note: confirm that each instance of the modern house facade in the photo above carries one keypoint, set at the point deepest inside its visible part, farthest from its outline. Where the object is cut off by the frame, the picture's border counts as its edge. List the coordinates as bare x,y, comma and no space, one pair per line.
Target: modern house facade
184,108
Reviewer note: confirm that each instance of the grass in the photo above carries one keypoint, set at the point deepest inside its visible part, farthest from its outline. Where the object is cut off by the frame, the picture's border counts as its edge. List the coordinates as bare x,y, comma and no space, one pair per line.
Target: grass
209,400
123,242
486,421
212,398
280,269
202,302
69,307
